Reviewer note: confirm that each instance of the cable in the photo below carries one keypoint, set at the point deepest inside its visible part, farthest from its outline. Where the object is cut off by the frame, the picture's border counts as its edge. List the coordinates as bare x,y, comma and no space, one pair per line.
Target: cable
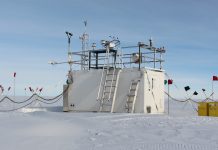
56,98
193,106
182,101
24,101
210,99
17,102
17,108
50,99
49,102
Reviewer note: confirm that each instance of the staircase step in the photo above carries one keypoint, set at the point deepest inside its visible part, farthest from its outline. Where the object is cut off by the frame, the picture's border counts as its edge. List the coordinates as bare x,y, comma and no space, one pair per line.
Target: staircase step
134,83
132,89
106,99
108,92
131,95
110,86
111,74
111,80
107,104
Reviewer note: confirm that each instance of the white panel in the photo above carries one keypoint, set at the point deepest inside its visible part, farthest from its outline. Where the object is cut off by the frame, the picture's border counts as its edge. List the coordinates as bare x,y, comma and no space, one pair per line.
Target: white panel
154,91
82,96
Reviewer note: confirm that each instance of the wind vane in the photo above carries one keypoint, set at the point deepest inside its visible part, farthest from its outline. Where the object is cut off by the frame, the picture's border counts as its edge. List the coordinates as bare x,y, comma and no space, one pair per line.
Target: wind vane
85,22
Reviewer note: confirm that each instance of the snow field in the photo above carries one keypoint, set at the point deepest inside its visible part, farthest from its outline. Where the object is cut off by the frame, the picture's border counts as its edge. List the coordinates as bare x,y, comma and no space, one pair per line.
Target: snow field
47,127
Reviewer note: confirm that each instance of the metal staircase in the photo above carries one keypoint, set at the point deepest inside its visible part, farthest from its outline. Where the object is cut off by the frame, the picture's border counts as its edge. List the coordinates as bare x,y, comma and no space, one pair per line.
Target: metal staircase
109,78
109,89
131,97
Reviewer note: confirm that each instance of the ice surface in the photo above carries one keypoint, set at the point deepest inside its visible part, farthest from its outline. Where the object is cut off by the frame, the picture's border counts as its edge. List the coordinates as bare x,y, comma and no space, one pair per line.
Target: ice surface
44,127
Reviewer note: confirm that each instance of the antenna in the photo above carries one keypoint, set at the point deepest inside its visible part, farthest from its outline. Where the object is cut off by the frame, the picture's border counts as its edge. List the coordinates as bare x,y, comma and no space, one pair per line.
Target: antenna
69,53
150,42
85,23
69,35
70,62
85,39
93,46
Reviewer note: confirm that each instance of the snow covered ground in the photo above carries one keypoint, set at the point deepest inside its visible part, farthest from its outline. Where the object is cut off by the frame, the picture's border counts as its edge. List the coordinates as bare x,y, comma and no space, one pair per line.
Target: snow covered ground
47,127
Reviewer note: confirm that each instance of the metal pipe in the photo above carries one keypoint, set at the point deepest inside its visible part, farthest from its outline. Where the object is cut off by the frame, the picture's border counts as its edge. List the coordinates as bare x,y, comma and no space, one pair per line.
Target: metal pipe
139,56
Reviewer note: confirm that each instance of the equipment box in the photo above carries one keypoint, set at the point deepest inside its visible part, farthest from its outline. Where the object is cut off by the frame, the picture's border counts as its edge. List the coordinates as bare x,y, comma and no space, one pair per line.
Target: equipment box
203,109
213,109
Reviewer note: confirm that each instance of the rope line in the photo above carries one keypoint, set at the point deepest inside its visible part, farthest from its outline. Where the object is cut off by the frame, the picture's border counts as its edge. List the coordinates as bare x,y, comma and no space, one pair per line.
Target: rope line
16,102
18,107
50,102
49,99
190,100
37,98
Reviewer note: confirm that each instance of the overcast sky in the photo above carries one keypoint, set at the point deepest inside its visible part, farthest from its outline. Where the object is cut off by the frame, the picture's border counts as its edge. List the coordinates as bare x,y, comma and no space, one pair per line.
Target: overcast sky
33,32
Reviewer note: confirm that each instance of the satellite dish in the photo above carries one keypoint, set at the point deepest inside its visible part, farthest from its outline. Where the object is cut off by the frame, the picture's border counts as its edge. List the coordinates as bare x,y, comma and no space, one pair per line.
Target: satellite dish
112,45
103,42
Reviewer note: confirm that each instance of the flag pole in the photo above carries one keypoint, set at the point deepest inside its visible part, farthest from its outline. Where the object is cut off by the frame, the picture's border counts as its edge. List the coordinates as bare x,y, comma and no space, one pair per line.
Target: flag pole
14,87
170,81
168,99
212,90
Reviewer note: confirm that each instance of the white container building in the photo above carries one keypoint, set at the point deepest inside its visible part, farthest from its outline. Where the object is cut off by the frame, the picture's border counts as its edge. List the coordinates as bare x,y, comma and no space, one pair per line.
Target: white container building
117,82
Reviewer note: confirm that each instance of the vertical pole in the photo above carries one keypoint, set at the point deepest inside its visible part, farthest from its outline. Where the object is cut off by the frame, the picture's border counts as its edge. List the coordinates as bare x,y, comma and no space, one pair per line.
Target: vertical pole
89,60
139,56
14,87
69,52
160,60
96,57
115,59
154,57
212,90
108,51
168,100
82,56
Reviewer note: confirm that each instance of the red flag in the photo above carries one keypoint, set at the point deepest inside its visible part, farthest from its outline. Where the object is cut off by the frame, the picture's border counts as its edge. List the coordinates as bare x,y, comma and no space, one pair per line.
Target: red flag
2,88
170,81
215,78
15,74
9,88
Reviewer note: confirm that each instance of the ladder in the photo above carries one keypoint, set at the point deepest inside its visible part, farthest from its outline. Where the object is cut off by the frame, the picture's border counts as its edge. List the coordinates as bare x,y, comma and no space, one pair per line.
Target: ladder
109,89
131,97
